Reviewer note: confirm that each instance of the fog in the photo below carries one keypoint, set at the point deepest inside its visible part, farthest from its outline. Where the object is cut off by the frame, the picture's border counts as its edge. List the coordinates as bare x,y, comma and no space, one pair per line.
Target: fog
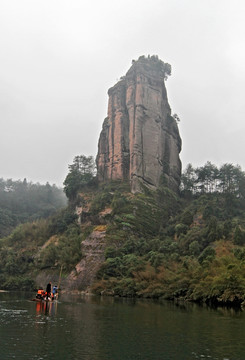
59,58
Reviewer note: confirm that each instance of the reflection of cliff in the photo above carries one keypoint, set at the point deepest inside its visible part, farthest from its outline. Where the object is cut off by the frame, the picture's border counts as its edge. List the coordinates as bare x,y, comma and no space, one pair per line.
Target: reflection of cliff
140,140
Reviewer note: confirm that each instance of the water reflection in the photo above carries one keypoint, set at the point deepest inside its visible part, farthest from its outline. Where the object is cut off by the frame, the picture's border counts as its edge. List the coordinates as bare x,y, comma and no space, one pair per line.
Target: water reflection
91,328
46,308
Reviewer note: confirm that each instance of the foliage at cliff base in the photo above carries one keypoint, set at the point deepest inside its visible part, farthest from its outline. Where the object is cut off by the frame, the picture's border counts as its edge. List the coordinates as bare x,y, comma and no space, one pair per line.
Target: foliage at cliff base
158,244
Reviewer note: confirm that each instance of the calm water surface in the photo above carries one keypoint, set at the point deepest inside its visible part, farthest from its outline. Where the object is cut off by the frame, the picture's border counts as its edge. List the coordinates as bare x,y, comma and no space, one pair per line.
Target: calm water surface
94,328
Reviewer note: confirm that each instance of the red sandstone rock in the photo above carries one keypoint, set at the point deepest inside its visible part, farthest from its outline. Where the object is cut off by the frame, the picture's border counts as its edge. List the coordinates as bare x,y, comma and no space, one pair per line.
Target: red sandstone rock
140,139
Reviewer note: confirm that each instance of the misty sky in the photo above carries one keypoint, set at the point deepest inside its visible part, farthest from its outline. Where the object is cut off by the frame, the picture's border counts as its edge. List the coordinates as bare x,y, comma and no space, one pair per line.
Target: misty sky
58,58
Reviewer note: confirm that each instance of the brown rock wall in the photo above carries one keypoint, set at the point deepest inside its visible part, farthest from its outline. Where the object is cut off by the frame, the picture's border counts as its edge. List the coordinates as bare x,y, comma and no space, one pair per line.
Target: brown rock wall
140,140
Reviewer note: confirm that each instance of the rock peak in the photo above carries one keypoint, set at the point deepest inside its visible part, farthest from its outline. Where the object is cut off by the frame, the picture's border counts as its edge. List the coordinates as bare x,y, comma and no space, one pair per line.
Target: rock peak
140,140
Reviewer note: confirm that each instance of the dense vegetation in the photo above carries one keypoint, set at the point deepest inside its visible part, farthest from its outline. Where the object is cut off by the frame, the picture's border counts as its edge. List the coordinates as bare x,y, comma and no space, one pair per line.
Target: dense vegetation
189,247
51,238
22,201
158,244
228,179
39,245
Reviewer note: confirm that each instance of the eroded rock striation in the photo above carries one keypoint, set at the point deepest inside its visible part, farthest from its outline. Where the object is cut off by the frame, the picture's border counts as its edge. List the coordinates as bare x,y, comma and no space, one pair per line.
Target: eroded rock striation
93,249
140,140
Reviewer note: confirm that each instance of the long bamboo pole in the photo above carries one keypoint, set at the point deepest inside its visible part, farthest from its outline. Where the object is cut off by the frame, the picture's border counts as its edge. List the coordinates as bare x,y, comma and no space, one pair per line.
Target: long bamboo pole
59,281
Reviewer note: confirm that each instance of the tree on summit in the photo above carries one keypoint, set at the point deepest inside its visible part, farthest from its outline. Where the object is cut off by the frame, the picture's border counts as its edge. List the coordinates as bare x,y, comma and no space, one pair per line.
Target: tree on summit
81,172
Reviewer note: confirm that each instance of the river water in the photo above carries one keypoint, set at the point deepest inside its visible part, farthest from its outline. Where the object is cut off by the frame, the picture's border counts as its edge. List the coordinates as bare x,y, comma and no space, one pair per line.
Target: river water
92,328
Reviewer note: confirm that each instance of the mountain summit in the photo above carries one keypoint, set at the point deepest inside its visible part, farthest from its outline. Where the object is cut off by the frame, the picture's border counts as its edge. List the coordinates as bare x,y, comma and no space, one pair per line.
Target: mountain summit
140,140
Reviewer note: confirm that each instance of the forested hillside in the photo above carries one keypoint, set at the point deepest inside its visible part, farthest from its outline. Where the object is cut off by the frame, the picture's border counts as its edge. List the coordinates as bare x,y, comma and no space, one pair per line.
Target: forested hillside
158,244
22,201
189,246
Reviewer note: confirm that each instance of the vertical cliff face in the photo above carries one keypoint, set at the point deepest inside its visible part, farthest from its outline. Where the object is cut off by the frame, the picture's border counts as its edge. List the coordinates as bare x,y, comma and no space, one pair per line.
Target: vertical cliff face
140,140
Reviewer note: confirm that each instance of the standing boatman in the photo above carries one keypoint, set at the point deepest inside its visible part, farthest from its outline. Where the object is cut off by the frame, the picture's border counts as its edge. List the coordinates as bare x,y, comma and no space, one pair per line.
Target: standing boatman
48,290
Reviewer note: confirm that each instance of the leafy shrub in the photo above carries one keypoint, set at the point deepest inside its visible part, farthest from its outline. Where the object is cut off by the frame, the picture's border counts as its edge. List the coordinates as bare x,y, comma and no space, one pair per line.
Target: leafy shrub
239,236
194,248
111,252
100,201
181,229
207,254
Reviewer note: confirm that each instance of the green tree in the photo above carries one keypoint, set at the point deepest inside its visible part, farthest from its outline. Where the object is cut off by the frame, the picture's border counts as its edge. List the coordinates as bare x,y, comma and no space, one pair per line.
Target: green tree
208,254
227,228
231,177
194,248
207,177
238,236
81,172
188,180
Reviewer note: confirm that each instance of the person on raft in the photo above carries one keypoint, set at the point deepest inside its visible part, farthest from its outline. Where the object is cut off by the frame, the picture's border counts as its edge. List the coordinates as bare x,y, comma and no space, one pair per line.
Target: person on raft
48,290
40,294
55,290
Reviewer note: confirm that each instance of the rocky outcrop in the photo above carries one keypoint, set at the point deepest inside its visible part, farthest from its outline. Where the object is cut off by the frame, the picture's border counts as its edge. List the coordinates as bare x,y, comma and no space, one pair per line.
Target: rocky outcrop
140,140
93,256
